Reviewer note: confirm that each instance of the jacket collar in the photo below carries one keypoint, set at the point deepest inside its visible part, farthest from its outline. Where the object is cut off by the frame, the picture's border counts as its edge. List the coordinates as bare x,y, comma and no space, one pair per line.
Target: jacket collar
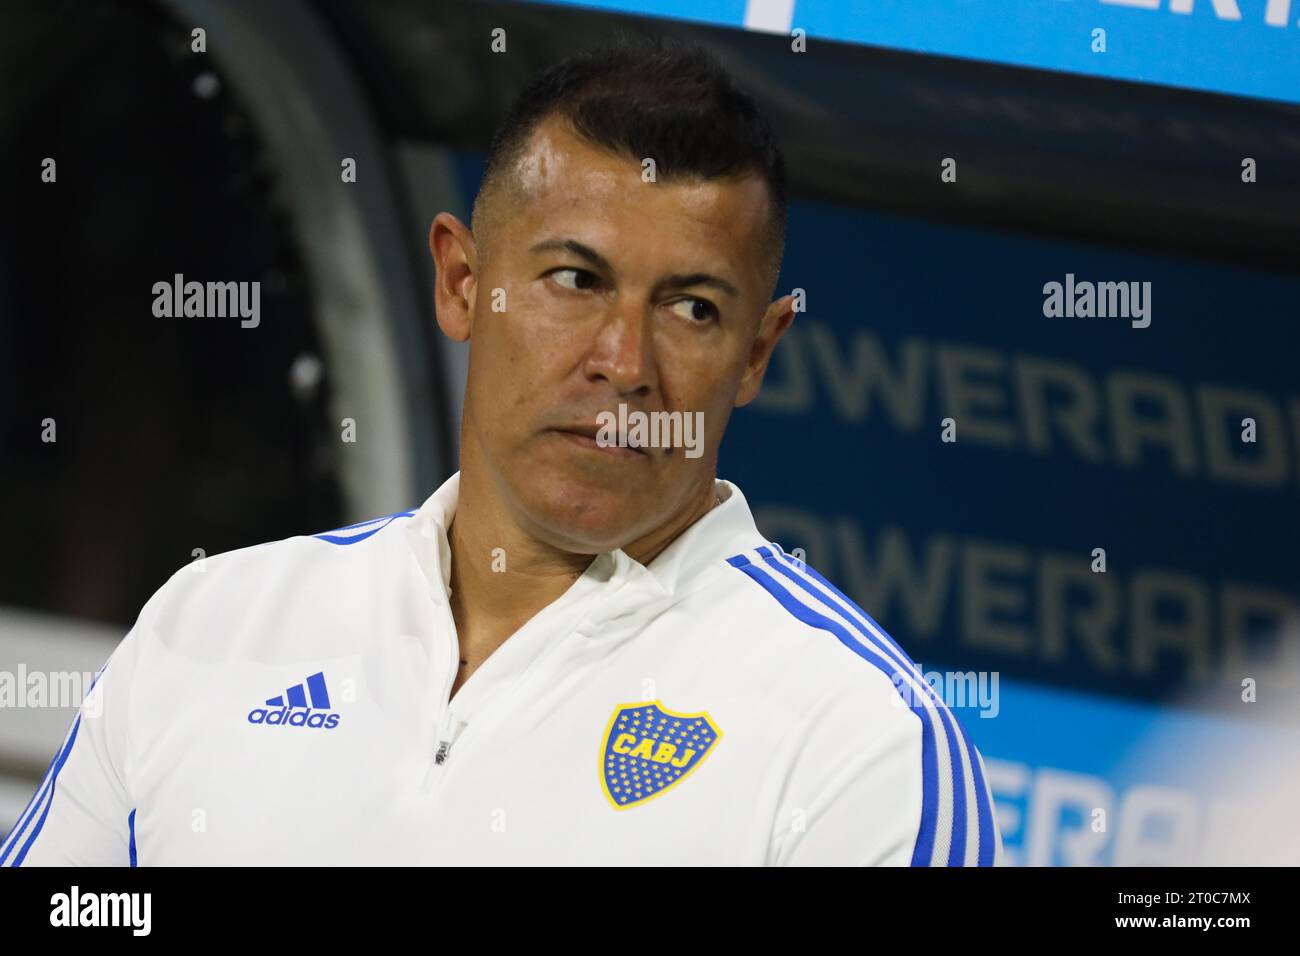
726,529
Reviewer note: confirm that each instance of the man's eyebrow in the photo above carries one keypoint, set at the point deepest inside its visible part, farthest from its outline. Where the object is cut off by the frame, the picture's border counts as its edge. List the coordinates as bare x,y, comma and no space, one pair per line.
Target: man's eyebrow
685,281
577,248
669,282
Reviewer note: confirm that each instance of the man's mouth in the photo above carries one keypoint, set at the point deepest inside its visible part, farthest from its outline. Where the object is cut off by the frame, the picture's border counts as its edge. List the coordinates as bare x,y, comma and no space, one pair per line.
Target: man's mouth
594,437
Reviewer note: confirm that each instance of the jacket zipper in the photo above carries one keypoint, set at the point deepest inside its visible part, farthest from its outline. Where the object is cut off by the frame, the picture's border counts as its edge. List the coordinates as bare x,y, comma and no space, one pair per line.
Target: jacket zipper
447,730
450,728
447,734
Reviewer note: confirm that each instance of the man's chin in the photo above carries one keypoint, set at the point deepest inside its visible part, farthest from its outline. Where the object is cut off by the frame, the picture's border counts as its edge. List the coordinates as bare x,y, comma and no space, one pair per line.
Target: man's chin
587,518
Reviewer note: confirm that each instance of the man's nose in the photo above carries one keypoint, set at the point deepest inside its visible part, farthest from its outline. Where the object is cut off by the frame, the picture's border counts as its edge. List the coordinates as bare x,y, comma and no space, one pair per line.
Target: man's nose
623,352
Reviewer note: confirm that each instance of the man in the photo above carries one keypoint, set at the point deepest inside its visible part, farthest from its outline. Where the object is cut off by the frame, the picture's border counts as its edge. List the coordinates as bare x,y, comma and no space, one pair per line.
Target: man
579,649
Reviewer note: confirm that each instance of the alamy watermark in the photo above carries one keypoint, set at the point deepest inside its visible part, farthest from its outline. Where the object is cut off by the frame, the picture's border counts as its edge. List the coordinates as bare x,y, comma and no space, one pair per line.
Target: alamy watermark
40,689
128,910
977,689
1102,300
214,300
637,429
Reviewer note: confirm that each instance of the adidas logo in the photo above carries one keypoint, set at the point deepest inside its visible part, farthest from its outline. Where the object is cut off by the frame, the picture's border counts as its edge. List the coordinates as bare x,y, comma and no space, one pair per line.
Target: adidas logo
291,709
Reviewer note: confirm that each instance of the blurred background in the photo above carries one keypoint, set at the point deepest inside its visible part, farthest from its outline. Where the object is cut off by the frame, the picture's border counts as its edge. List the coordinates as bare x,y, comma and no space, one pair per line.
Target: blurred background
1141,714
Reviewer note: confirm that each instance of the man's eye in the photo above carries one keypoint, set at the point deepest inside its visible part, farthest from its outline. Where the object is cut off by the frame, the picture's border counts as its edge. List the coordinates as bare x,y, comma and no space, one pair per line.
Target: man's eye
695,310
579,280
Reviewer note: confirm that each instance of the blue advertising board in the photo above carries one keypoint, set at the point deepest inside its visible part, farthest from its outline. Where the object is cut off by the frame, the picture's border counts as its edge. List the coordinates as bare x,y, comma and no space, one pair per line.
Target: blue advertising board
1242,47
1083,500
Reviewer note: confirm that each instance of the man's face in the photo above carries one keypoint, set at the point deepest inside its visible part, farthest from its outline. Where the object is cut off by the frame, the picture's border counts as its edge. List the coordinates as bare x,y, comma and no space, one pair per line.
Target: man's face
601,289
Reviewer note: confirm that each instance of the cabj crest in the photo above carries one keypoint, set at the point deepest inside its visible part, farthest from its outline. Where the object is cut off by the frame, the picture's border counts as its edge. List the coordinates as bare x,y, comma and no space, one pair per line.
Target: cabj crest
650,749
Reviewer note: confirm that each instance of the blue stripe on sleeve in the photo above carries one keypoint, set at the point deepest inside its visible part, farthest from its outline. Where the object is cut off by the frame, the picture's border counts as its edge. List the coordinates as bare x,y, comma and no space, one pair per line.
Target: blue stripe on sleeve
957,848
7,846
334,538
929,759
45,789
47,798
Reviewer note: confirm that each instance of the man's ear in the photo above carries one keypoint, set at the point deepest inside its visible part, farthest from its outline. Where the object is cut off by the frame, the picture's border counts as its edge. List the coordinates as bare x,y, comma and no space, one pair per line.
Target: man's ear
775,321
455,257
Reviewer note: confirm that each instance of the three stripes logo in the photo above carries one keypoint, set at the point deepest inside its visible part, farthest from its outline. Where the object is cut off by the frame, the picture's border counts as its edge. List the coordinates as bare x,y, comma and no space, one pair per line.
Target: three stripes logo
291,709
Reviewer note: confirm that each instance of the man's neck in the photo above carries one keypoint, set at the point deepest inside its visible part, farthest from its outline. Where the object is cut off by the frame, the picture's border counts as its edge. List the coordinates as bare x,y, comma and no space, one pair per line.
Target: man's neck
501,576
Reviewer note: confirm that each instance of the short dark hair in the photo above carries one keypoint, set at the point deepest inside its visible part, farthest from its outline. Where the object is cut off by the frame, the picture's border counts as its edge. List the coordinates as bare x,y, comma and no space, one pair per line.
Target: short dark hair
668,99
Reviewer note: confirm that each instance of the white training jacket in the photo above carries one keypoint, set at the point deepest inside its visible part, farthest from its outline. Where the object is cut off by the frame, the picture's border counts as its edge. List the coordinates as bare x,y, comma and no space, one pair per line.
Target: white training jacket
288,704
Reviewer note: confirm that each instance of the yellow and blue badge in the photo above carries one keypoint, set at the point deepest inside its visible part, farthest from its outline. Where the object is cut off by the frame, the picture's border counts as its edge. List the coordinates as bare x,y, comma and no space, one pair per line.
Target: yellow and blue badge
649,748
